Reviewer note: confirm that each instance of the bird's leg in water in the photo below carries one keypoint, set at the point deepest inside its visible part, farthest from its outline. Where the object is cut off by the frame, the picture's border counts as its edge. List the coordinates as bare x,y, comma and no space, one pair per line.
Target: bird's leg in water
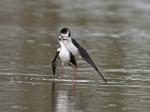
74,77
61,71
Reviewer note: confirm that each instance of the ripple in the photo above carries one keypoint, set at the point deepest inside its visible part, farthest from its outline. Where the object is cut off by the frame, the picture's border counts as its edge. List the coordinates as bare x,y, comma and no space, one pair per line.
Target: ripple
128,70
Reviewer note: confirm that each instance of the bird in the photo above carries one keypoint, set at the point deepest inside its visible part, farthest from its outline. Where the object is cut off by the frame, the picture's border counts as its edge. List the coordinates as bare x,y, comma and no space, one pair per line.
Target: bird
66,57
76,49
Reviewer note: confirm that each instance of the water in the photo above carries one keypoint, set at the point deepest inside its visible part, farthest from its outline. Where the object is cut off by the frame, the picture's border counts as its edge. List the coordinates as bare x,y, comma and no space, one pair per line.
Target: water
116,34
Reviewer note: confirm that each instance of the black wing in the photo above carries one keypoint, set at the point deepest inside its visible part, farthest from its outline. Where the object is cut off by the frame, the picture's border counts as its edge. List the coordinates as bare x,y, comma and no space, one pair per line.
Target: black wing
54,62
73,60
84,54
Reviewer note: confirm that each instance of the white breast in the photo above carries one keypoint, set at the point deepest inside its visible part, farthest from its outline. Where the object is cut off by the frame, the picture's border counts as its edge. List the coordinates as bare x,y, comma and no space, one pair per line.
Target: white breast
71,47
64,55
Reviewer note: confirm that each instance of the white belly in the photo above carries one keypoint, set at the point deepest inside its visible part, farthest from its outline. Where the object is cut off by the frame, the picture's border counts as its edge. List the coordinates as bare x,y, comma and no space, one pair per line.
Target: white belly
64,55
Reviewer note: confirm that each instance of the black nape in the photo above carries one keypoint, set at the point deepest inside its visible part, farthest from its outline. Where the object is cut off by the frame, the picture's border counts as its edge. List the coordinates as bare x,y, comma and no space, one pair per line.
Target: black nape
65,30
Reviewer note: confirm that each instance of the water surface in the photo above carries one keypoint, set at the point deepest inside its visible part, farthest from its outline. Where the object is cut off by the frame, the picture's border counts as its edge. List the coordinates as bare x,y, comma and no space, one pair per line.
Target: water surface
116,34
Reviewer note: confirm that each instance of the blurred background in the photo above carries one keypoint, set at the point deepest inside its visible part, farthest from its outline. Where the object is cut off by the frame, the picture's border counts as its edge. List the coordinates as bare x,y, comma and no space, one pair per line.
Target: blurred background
115,32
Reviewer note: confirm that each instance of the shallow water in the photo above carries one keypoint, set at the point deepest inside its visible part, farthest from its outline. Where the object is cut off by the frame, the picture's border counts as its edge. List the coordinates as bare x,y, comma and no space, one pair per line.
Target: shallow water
116,34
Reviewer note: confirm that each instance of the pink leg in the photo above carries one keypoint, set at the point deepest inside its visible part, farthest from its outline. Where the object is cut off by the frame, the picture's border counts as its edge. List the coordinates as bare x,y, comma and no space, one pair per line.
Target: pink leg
61,71
74,78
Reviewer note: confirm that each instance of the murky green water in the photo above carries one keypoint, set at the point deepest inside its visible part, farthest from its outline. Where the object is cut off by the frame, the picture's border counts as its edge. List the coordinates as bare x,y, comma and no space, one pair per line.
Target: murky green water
116,34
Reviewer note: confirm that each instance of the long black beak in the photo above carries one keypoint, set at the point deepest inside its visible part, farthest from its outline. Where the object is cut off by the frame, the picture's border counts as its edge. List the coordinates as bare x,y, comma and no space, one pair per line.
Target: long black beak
64,39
